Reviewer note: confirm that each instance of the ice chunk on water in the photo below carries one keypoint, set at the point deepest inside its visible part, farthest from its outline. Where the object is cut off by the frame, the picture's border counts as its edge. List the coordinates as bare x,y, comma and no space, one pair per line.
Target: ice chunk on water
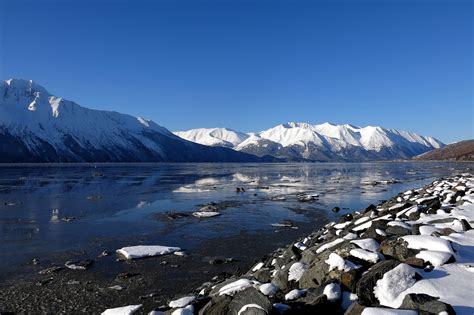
140,251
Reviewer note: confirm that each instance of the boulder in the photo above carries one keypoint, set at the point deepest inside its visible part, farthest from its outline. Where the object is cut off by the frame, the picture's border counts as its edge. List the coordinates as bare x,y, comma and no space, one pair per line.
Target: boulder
380,224
290,254
426,303
370,208
415,228
355,308
434,204
263,275
414,216
250,296
447,231
346,218
365,286
349,279
218,305
280,279
314,296
317,274
397,230
398,249
465,225
372,233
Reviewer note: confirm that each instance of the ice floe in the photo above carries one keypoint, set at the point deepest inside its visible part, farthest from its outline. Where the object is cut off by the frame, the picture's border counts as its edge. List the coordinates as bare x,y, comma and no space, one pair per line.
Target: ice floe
141,251
124,310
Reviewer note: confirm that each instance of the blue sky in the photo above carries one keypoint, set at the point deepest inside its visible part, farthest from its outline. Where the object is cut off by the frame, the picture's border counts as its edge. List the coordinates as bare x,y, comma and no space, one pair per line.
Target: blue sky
250,65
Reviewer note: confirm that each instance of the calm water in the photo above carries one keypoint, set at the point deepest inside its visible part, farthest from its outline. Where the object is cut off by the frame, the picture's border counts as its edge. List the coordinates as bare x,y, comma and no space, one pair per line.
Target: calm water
120,205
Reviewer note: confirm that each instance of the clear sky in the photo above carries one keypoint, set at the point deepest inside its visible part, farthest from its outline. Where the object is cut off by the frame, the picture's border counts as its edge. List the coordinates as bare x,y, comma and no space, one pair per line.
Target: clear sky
250,65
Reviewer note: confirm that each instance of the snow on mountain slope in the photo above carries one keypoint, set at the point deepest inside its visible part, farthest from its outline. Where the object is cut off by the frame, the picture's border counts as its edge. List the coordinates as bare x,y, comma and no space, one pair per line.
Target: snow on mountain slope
302,141
36,126
213,136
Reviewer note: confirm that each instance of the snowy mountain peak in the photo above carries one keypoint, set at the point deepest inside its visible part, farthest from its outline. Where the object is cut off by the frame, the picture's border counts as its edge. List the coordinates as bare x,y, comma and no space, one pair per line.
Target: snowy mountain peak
36,126
326,141
224,137
29,86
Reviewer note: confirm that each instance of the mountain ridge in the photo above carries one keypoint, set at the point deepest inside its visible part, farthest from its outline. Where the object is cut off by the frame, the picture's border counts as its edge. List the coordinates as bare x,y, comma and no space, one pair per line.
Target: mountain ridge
36,126
299,141
459,151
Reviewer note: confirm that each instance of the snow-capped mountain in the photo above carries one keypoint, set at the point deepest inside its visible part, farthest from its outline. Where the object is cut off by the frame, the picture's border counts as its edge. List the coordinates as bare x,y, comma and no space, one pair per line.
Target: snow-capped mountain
324,142
36,126
223,137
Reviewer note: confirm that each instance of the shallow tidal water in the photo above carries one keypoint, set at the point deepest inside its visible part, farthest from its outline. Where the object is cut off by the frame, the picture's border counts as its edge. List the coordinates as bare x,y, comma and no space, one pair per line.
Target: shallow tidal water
114,205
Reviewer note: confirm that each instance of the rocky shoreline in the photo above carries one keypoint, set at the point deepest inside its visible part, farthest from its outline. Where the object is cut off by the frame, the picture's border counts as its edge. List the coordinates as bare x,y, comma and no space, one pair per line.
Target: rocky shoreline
399,257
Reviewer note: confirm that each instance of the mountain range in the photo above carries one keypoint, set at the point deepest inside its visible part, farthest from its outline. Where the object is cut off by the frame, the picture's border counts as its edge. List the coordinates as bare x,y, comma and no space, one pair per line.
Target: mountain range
36,126
324,142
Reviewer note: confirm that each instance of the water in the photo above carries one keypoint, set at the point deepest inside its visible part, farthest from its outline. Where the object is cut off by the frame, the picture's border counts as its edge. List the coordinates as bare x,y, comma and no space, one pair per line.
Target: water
121,205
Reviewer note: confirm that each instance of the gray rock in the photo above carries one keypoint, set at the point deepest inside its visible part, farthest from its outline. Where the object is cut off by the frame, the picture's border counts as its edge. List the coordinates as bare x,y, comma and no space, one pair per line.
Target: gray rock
218,305
349,279
372,233
426,303
346,218
290,254
465,225
79,265
445,220
398,249
317,274
50,270
397,230
447,231
250,296
380,224
370,208
177,215
414,216
415,228
280,279
355,308
433,204
221,260
365,286
226,279
314,296
263,275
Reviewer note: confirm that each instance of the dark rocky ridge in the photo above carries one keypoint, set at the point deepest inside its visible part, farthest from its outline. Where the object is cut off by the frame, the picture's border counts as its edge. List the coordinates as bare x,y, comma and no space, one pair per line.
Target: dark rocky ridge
460,151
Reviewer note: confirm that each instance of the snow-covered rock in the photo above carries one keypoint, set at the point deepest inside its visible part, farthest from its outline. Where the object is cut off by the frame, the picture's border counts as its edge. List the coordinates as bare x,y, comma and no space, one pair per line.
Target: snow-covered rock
236,286
332,292
296,271
393,283
366,255
268,289
182,302
368,244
